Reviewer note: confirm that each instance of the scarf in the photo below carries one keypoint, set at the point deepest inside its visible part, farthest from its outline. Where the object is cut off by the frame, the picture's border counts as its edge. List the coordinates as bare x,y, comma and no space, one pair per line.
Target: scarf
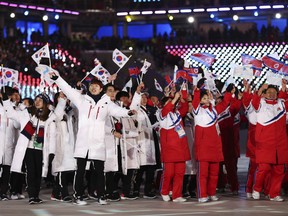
34,126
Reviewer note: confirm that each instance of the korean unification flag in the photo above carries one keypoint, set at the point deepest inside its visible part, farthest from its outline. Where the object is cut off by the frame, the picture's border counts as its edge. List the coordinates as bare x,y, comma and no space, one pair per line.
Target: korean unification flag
9,75
157,85
41,53
119,58
101,73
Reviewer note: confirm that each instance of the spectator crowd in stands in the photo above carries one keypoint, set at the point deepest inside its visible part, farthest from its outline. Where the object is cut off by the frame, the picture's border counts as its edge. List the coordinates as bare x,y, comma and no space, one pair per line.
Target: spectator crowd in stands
15,54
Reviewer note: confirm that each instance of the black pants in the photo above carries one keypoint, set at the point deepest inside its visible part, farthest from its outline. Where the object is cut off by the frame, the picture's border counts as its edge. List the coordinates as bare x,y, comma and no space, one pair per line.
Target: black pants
4,181
17,180
127,182
61,185
149,178
33,161
189,184
97,179
112,180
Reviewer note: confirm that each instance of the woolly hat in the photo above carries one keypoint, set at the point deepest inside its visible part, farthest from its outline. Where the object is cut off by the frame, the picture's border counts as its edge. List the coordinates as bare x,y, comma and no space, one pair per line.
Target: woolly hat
44,97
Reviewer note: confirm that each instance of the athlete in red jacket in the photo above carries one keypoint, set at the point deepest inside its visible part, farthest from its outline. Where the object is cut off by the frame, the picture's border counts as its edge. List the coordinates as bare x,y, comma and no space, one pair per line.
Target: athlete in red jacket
271,139
174,146
208,145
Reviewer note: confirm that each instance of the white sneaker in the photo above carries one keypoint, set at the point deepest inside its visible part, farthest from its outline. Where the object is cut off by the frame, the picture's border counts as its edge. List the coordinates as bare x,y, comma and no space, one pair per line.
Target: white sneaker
203,199
179,199
166,198
21,196
256,195
102,201
214,198
14,197
79,201
277,199
249,195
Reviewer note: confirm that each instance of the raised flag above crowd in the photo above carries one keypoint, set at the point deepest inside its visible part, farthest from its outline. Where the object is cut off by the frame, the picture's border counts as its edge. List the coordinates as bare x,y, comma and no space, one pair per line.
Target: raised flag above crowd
206,59
119,58
41,53
101,73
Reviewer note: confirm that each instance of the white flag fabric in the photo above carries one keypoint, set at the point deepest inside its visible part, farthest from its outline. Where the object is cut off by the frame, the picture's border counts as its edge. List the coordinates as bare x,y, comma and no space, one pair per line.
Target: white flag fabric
101,73
41,53
44,71
119,58
145,67
175,74
9,75
128,85
158,86
273,78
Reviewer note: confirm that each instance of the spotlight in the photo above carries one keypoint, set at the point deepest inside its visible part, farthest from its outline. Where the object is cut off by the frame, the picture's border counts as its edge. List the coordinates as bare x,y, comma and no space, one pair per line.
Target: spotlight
212,16
45,18
170,17
130,48
128,18
12,15
26,13
277,15
56,17
191,19
235,17
256,13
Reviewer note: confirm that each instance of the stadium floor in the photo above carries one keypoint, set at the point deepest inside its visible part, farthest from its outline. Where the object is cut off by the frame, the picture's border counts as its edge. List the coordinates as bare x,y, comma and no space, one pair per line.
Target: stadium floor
227,205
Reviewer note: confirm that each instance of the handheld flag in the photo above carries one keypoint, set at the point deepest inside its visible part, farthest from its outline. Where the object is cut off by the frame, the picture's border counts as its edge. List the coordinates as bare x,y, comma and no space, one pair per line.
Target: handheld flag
272,63
175,73
134,72
101,73
205,58
128,86
119,58
41,53
145,67
157,85
256,63
9,75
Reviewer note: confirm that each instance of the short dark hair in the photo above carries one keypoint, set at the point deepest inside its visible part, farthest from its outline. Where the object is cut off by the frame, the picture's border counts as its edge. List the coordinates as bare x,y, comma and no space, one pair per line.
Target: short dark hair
107,86
122,94
203,92
97,82
30,101
164,100
273,87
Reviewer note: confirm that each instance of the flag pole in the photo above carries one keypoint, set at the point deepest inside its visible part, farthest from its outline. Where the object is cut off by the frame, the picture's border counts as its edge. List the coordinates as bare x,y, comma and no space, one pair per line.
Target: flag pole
141,78
85,77
2,81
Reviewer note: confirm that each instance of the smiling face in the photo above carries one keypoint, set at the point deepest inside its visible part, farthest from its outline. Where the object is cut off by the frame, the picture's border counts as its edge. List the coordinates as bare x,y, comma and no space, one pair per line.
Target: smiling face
95,89
15,97
39,103
271,94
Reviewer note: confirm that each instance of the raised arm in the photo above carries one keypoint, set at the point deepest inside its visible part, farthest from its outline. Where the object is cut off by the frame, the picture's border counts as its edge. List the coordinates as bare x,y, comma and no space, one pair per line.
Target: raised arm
257,97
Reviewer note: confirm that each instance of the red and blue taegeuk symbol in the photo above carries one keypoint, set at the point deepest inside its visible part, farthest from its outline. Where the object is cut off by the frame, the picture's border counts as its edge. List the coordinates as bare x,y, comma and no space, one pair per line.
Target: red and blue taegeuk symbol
119,58
101,72
8,74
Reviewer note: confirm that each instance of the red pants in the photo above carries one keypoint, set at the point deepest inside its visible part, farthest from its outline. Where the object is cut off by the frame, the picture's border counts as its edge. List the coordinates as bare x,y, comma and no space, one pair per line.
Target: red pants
172,177
277,175
251,175
207,178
